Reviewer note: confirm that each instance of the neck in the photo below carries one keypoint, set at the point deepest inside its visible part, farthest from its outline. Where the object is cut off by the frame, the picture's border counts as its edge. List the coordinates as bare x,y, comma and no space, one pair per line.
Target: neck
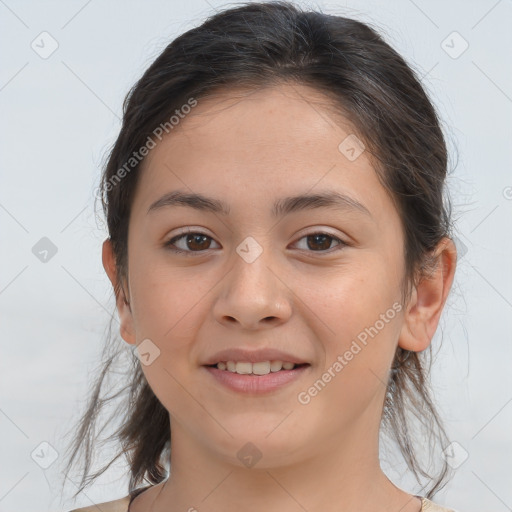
342,473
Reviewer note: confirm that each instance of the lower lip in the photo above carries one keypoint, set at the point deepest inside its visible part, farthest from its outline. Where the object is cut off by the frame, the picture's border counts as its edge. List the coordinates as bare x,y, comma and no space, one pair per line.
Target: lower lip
256,384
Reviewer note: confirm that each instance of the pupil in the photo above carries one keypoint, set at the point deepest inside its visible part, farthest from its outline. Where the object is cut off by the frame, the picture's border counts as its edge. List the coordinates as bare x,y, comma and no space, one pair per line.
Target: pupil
193,238
326,240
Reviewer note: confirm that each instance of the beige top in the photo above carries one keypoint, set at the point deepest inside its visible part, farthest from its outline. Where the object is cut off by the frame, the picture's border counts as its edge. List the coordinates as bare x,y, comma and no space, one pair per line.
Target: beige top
121,505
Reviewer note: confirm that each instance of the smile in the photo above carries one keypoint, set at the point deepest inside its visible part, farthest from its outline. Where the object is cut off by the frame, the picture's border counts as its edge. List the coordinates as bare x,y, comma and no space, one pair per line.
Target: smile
256,378
259,368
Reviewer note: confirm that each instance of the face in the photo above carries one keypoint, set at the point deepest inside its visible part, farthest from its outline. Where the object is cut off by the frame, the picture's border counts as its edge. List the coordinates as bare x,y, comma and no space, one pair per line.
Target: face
317,280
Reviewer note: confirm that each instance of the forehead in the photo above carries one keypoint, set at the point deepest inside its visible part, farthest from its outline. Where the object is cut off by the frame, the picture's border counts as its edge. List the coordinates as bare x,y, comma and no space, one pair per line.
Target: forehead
270,142
280,115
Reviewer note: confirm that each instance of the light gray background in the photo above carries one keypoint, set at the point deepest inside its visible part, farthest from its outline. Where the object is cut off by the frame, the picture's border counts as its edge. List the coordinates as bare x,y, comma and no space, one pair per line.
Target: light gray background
59,116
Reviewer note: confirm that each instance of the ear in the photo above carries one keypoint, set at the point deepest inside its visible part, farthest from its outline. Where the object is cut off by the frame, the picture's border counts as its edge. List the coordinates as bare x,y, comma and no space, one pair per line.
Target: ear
427,300
122,302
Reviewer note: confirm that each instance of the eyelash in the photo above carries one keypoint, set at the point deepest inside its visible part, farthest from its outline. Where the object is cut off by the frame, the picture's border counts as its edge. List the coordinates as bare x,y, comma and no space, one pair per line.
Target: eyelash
170,244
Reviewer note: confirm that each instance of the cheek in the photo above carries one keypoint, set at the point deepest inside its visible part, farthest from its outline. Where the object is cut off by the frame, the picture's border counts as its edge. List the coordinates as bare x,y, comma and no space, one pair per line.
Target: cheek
363,319
168,311
164,296
170,306
360,311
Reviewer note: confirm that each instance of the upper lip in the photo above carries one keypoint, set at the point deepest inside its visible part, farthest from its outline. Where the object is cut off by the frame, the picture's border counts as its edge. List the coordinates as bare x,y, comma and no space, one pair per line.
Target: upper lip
252,356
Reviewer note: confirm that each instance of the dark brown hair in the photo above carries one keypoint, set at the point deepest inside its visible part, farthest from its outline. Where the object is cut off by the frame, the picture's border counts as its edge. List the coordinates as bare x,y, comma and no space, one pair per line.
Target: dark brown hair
251,46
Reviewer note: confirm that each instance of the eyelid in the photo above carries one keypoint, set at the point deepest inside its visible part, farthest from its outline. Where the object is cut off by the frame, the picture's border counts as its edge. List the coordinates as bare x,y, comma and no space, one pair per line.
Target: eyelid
342,237
169,244
340,245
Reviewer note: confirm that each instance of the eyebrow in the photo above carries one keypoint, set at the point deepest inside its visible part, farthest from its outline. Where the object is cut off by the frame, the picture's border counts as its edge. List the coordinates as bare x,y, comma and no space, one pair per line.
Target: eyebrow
281,207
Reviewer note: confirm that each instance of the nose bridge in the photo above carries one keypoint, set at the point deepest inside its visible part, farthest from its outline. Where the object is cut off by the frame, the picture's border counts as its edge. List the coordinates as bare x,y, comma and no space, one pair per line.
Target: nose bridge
252,292
251,273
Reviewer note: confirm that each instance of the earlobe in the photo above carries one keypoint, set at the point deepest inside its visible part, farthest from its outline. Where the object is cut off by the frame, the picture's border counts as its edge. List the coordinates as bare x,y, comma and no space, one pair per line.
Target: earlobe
122,302
426,304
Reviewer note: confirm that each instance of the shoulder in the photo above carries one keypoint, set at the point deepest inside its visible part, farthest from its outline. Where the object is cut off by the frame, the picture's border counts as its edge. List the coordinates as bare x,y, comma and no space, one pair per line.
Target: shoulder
120,505
430,506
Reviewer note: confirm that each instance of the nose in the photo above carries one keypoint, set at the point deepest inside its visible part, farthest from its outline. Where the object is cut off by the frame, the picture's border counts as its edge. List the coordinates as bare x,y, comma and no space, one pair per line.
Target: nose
253,295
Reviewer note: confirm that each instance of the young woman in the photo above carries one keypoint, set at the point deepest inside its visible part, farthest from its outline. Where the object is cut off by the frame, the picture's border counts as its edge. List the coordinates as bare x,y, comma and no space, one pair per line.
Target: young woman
280,251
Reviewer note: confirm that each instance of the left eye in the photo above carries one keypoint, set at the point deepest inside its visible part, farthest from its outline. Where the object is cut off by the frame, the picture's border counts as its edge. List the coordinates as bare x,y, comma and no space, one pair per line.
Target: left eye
320,242
198,242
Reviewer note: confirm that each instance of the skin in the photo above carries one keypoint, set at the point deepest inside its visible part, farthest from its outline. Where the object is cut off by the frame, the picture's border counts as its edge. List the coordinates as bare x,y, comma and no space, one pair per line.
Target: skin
311,300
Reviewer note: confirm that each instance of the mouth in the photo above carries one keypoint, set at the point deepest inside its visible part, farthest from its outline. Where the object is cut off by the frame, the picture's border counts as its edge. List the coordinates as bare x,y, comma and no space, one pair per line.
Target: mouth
257,369
258,378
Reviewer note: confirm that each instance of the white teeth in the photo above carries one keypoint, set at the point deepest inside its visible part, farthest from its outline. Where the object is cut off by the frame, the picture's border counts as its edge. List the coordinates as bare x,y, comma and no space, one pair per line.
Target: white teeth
259,368
275,366
243,368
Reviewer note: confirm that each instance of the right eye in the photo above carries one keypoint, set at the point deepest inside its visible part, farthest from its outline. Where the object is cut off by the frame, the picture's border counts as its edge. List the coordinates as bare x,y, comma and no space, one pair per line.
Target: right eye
191,242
